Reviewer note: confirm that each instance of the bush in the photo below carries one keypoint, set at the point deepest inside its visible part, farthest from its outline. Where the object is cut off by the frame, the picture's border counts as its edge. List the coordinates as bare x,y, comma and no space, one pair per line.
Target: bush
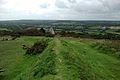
38,47
49,35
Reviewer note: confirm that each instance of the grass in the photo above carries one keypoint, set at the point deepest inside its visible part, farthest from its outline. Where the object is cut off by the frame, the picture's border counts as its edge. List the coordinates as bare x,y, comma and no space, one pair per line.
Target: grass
109,47
62,59
75,67
12,58
46,65
99,64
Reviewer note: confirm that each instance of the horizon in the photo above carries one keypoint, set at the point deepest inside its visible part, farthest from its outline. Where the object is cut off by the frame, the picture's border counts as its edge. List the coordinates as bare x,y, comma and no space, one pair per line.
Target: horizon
54,20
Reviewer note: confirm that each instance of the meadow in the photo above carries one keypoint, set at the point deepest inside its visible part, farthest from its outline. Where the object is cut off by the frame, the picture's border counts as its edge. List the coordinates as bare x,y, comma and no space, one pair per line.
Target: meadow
64,58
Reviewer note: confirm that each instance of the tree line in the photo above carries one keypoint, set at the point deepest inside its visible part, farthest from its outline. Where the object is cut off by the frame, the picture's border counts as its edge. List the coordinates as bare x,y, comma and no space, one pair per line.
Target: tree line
43,32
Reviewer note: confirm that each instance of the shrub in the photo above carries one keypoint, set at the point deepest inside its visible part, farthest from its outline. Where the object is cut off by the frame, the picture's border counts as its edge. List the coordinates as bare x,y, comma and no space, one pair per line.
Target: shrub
38,47
49,35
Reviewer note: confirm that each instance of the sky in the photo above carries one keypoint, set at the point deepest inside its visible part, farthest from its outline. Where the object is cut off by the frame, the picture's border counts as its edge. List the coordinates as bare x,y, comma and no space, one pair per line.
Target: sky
60,9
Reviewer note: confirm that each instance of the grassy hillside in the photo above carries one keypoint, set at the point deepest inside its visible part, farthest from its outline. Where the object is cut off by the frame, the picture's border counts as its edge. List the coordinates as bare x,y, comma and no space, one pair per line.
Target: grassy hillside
63,59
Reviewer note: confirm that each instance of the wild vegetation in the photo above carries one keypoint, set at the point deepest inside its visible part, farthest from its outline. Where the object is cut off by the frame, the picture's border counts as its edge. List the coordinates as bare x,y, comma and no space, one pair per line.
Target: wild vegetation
38,47
62,59
110,47
72,50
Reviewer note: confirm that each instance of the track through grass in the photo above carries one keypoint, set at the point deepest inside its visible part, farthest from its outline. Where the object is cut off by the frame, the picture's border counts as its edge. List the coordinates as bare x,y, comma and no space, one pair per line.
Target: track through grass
63,59
99,65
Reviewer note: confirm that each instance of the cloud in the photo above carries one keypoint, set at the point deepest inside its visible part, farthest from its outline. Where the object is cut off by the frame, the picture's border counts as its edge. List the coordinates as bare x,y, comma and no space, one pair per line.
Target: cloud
2,1
91,6
72,1
60,9
112,5
60,4
44,5
2,10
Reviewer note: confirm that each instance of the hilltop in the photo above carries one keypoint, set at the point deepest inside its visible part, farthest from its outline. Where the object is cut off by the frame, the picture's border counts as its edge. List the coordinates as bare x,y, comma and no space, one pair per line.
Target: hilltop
63,59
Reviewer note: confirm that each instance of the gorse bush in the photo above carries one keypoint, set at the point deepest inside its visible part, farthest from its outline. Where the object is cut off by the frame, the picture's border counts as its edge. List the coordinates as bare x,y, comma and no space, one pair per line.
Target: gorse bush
38,47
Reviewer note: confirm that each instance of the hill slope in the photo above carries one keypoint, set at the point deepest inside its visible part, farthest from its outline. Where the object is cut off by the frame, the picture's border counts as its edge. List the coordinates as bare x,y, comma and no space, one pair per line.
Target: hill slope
63,59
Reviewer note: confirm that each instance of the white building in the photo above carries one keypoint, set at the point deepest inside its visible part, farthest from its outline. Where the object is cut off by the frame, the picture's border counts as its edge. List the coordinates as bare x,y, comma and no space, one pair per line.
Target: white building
51,30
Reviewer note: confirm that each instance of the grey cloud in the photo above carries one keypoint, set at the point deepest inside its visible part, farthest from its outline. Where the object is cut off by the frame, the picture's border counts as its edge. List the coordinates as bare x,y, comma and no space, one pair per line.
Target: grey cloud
93,6
96,6
79,9
2,9
44,5
112,5
92,9
72,1
60,4
2,2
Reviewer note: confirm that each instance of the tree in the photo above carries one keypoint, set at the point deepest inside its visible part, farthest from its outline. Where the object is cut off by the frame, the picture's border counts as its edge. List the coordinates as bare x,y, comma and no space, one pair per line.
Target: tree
42,30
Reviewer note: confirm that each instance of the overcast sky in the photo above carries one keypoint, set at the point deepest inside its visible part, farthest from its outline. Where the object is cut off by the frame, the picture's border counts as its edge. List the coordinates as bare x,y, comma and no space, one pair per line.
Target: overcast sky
60,9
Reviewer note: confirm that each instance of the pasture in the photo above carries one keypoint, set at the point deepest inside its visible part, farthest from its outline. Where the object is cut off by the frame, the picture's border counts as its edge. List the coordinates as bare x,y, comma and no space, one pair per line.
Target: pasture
63,59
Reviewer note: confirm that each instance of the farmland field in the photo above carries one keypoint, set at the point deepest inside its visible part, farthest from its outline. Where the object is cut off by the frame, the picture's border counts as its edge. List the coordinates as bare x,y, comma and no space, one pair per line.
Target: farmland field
63,59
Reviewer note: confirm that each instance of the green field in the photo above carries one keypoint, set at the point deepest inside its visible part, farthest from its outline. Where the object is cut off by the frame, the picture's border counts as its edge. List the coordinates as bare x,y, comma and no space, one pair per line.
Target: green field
63,59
